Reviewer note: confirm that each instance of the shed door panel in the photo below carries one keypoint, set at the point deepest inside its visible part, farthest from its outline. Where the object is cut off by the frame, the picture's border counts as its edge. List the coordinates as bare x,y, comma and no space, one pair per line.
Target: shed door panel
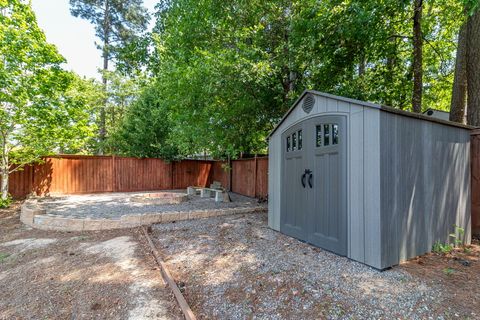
294,210
328,218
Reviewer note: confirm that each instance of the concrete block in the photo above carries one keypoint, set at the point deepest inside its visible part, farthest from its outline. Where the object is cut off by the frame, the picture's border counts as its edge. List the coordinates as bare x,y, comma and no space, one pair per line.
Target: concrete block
28,212
174,216
101,224
205,193
219,196
191,191
130,221
199,214
57,223
151,218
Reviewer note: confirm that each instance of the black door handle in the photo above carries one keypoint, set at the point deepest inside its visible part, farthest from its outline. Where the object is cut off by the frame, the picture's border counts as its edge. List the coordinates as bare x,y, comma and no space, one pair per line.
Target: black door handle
310,177
303,179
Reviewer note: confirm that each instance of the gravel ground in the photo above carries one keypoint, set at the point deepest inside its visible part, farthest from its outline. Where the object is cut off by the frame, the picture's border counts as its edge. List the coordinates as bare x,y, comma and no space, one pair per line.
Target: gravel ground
235,267
90,275
115,205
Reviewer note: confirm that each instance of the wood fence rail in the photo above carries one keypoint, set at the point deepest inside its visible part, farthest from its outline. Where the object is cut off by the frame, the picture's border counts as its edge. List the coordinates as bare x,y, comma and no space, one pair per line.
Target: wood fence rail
73,174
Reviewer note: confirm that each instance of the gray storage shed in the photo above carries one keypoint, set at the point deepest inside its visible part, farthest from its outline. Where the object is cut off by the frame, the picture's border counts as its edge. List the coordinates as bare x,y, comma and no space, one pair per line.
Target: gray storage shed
373,183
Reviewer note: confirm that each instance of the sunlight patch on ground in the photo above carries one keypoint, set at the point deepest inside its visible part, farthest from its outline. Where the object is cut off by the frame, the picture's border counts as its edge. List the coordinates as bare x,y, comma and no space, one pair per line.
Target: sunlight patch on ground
30,243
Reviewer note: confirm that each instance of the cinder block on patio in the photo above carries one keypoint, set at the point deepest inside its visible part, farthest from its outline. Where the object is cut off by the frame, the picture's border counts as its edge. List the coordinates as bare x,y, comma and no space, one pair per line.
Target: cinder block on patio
191,191
205,193
27,214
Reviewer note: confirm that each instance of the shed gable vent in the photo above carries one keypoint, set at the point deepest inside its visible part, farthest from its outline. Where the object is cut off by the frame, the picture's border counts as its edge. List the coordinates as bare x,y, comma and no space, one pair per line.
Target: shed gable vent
308,103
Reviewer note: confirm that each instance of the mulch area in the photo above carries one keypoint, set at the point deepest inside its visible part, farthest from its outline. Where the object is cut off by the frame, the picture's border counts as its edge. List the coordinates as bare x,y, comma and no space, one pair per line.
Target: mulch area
457,273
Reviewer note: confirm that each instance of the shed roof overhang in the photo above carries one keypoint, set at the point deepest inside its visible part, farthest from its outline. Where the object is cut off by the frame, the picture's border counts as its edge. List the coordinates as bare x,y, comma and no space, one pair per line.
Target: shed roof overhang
369,105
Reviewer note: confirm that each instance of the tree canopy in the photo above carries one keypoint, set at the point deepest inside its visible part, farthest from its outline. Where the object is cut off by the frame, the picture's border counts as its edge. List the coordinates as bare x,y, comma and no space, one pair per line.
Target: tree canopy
227,71
42,107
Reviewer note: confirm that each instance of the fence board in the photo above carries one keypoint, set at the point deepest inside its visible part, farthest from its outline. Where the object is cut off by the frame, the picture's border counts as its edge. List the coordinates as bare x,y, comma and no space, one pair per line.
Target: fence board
243,177
261,190
141,174
20,182
220,174
191,172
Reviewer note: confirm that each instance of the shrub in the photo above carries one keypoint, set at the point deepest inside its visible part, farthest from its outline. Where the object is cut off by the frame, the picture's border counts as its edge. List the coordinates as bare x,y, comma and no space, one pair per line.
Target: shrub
5,203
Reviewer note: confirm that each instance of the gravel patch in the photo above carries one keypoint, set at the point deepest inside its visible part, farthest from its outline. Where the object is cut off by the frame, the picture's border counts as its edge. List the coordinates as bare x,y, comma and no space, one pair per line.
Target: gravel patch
115,205
235,267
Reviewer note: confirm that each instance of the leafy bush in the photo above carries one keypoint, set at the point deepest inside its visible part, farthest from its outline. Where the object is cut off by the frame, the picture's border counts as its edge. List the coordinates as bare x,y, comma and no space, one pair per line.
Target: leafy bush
458,235
439,247
5,203
457,239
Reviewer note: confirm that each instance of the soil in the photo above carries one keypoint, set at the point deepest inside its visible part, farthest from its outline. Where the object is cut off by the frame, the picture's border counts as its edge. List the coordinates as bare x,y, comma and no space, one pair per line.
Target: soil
89,275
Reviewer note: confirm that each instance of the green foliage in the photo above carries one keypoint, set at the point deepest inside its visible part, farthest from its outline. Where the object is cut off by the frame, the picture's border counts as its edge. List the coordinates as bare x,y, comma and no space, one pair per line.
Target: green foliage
449,271
227,71
443,248
41,110
117,24
5,203
145,130
457,236
3,256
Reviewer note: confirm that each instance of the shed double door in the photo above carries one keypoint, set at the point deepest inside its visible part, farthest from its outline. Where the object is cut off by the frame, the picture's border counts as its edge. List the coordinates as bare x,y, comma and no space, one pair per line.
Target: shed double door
314,202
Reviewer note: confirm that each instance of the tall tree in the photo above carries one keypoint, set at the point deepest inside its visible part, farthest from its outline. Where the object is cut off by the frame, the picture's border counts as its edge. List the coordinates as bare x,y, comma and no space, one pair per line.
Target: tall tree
118,24
473,68
417,56
458,104
36,117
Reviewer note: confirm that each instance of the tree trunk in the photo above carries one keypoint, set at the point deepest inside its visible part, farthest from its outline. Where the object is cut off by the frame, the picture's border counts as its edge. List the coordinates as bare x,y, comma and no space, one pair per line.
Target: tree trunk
362,66
473,69
105,53
459,91
4,166
417,56
4,187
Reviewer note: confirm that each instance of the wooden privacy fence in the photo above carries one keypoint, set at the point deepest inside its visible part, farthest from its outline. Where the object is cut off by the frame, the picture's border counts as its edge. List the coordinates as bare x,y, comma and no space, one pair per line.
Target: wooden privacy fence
94,174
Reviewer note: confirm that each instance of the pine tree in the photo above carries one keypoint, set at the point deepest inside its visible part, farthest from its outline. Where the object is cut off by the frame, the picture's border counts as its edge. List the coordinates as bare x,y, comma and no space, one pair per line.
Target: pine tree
118,24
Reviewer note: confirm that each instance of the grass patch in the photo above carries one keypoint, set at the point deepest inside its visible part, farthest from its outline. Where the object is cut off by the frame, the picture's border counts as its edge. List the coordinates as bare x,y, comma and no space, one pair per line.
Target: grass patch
449,271
3,256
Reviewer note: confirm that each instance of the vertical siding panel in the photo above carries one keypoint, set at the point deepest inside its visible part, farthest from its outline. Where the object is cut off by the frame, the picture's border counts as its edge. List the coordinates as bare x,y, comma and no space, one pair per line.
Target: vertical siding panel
371,185
355,182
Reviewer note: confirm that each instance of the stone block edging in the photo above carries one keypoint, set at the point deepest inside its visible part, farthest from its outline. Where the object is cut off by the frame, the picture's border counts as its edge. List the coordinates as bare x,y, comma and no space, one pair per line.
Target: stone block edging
36,217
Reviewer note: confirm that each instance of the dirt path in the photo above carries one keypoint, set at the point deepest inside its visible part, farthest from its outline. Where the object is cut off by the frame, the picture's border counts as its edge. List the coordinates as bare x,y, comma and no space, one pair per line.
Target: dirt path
96,275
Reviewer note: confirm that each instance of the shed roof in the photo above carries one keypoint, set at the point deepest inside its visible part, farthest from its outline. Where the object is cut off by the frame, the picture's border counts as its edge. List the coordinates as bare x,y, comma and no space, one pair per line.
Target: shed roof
370,105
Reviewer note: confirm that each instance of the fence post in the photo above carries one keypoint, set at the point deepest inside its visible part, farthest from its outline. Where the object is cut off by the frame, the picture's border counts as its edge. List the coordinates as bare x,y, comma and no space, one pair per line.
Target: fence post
255,177
114,175
230,173
172,172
